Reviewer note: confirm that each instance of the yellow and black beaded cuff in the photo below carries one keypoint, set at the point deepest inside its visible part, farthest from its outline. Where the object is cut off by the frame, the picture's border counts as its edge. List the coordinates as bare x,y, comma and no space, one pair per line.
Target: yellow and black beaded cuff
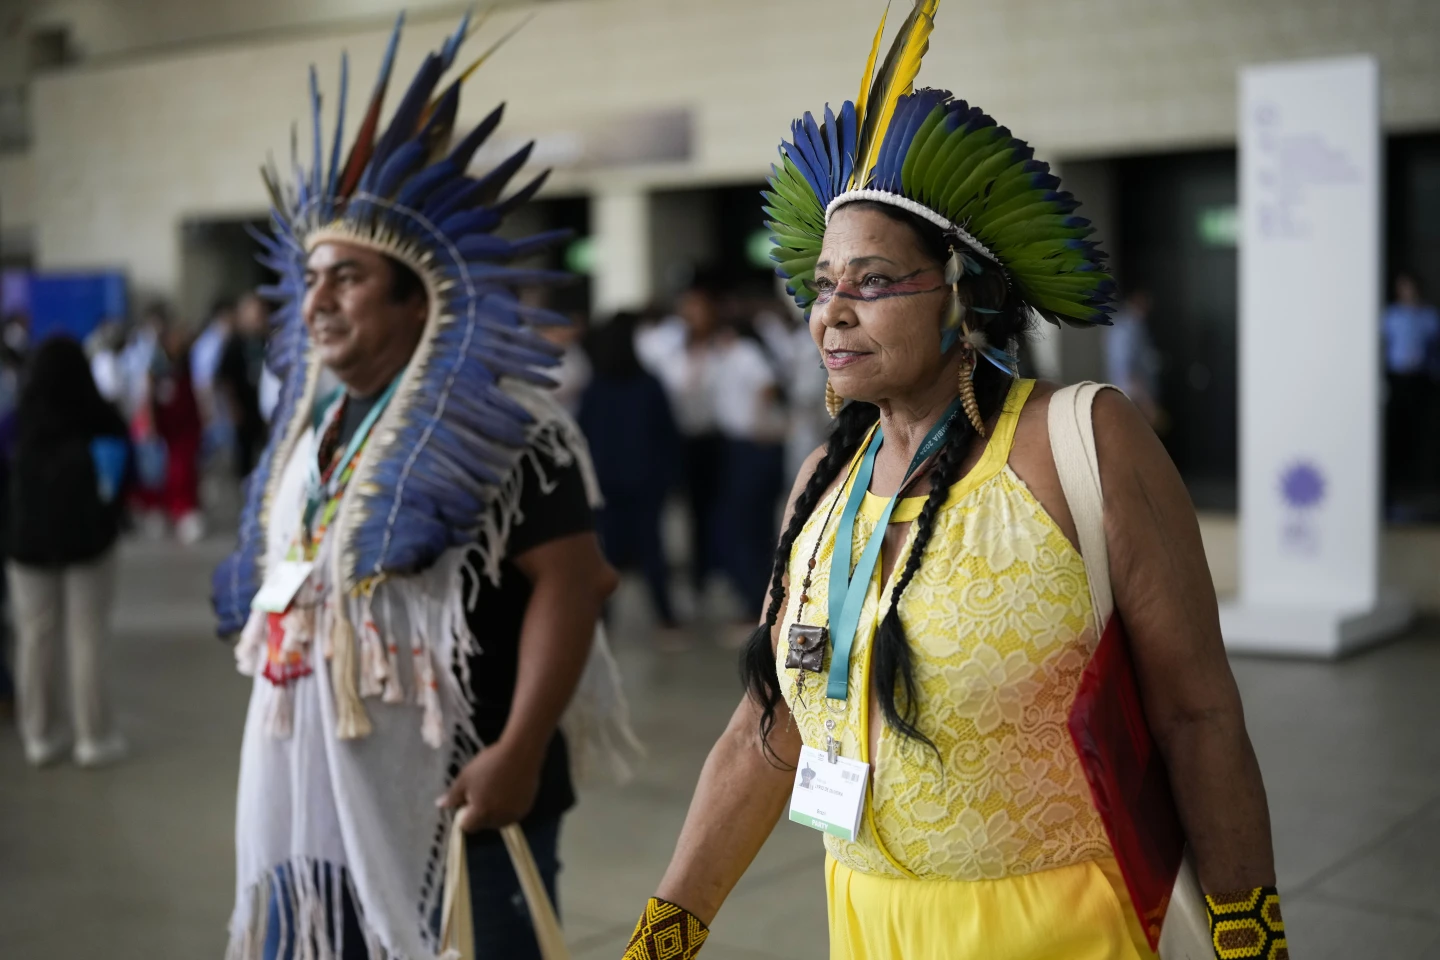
1247,924
666,932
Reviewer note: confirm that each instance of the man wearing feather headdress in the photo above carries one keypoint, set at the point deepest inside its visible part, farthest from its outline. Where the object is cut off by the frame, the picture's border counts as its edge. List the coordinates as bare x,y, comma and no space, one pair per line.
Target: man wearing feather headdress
417,582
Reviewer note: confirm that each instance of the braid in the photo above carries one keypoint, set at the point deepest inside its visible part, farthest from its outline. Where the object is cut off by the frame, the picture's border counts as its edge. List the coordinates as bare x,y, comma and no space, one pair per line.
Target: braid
757,662
893,662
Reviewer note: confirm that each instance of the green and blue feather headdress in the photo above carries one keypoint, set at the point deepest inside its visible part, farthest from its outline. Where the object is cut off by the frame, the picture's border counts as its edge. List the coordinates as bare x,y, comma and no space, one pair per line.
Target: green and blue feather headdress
452,433
946,162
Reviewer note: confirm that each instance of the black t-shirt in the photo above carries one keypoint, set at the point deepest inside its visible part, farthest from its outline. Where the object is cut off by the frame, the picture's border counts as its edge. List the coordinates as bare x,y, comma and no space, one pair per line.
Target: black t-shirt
499,615
558,507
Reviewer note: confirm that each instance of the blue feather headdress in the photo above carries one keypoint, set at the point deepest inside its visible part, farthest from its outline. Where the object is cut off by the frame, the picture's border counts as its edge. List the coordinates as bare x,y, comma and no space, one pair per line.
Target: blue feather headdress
452,432
942,160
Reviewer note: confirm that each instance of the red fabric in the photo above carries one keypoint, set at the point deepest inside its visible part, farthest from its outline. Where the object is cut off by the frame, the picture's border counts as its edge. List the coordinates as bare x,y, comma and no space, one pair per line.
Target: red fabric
175,416
1127,777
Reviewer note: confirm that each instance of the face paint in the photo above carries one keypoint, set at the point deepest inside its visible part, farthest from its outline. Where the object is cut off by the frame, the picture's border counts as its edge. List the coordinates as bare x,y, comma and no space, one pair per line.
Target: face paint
910,285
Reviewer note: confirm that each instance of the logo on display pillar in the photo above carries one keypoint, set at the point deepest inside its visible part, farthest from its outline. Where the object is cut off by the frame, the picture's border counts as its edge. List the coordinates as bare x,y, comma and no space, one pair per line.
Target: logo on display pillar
1302,487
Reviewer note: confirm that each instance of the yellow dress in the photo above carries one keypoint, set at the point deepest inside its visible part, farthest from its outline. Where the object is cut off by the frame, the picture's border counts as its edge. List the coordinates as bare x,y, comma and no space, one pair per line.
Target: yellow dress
998,852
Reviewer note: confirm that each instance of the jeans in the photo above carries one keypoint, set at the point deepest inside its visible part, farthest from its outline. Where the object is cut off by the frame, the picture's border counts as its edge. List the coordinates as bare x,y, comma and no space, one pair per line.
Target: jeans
503,930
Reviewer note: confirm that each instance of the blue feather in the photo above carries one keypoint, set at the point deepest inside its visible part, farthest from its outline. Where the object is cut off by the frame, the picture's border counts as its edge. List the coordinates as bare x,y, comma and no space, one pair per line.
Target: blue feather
489,187
464,151
524,195
317,172
406,120
850,130
484,246
541,241
424,183
452,46
399,168
469,221
833,135
339,135
437,205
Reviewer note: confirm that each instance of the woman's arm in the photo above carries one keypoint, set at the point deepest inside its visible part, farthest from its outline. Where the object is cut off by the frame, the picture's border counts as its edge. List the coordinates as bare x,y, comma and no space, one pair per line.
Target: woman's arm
1164,593
741,794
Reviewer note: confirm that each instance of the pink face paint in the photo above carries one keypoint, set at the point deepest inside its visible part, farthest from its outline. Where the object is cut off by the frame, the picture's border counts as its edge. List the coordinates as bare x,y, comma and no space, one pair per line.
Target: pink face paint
910,285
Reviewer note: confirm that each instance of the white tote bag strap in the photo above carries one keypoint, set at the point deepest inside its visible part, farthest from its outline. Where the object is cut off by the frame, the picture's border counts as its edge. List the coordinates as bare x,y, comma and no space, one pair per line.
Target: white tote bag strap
1186,933
1072,444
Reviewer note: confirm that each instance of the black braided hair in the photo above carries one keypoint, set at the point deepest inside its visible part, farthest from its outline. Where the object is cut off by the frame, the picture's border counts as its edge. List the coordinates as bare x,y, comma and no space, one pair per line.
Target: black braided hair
1002,317
757,663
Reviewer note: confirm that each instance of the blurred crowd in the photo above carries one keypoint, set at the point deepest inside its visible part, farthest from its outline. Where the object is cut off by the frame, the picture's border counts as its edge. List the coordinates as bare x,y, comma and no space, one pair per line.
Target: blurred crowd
94,438
715,401
703,408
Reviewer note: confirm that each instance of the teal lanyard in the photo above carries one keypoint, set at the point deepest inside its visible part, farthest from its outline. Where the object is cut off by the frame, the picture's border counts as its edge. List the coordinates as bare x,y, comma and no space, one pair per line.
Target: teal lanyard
847,591
320,491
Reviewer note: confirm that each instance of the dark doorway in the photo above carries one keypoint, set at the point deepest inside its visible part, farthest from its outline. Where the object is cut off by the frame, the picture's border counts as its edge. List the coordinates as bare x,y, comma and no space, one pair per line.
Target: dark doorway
1177,238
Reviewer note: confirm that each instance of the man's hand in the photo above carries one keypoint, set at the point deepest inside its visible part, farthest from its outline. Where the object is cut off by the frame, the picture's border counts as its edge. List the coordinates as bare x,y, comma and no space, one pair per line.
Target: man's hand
496,789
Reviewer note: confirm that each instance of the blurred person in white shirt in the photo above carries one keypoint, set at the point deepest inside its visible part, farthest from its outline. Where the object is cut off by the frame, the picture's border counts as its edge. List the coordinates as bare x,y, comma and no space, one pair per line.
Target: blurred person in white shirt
680,352
751,417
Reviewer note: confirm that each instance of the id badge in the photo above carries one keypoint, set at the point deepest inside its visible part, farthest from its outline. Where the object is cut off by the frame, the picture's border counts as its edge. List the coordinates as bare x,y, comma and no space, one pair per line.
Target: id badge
280,586
829,795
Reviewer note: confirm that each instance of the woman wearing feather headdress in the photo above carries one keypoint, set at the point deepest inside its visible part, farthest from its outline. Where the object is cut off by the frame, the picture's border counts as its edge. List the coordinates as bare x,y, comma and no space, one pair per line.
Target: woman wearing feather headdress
417,573
931,614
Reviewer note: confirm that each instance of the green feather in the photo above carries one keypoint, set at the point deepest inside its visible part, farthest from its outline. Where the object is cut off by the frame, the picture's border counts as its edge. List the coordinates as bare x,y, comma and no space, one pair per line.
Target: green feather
799,266
922,145
966,186
961,151
996,222
955,158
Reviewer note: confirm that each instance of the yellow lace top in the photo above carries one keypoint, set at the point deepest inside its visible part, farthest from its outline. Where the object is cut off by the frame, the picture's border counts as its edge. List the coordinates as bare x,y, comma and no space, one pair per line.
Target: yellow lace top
998,621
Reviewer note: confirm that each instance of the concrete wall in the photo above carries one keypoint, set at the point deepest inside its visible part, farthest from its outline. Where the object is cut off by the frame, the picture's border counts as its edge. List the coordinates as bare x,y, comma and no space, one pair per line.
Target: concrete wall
123,152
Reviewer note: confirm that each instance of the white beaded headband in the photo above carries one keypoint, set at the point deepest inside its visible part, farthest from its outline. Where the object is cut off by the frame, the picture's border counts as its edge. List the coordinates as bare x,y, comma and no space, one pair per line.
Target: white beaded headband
920,210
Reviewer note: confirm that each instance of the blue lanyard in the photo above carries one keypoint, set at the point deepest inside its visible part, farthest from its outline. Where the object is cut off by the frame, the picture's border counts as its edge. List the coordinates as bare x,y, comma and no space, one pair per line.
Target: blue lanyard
847,591
320,491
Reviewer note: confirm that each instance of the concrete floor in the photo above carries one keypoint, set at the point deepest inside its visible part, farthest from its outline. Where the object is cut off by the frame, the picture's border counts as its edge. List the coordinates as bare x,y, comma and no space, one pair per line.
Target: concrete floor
136,861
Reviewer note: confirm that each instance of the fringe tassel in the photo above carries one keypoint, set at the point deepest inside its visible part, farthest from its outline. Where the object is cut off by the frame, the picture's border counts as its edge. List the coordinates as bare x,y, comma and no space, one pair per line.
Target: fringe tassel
280,721
250,651
427,694
352,722
394,691
309,921
373,666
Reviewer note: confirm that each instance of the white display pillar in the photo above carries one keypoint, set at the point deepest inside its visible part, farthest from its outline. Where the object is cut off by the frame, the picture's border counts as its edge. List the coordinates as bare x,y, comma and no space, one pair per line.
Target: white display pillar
620,227
1309,362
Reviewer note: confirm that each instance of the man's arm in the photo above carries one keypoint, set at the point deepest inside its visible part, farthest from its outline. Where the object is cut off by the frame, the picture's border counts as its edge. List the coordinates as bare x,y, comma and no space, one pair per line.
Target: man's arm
570,581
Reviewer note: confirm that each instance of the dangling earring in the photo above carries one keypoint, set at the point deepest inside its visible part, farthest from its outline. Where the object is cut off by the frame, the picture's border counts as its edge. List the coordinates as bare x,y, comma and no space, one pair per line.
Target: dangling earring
833,401
967,386
954,270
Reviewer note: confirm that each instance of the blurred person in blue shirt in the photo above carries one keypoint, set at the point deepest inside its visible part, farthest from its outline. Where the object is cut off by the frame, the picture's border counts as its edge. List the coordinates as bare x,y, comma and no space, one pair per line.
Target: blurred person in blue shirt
1131,361
625,416
1411,331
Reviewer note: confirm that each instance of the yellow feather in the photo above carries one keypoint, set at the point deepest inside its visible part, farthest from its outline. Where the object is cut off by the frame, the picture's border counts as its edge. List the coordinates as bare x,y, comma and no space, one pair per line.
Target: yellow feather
897,78
466,73
870,67
493,47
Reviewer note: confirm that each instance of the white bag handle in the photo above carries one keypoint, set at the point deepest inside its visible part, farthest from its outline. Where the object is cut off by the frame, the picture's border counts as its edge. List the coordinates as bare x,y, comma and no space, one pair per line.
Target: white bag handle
1186,932
1072,443
457,927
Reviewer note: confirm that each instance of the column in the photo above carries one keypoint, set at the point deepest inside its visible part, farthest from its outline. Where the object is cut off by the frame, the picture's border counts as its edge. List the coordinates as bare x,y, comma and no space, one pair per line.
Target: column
620,227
